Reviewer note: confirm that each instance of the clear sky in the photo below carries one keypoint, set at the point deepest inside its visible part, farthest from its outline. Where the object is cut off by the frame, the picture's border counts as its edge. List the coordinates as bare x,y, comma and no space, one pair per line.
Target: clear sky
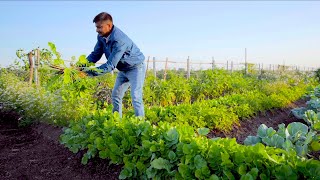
273,32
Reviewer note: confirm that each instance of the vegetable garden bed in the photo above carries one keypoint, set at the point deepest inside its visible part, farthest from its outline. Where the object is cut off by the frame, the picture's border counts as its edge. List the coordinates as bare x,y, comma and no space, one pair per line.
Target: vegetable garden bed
35,153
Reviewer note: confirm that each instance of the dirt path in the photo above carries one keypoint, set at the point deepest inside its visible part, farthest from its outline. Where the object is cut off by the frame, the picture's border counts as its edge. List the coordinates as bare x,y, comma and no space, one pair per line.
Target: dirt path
34,152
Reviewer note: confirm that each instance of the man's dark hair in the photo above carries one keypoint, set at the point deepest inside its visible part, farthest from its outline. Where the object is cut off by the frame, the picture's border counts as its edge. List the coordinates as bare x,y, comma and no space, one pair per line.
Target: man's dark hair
102,17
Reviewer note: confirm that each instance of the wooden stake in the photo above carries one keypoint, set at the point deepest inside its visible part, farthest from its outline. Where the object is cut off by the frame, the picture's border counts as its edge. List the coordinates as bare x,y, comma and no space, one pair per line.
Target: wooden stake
31,67
37,66
147,65
231,66
154,67
213,63
188,68
245,61
165,69
227,65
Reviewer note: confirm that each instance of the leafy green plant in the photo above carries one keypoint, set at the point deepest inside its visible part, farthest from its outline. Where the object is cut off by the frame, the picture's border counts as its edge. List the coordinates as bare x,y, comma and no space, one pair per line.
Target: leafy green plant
296,137
313,104
317,75
313,119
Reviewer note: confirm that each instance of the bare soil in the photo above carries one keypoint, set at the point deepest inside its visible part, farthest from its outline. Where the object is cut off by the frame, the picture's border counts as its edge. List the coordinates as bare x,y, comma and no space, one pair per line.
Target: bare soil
34,152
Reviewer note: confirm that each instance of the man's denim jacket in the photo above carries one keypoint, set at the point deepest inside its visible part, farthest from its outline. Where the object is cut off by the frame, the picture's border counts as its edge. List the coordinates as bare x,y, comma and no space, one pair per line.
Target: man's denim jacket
116,47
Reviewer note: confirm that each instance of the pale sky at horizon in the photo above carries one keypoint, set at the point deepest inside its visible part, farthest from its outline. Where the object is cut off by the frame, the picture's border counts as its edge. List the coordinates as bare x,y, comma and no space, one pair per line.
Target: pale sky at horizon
273,32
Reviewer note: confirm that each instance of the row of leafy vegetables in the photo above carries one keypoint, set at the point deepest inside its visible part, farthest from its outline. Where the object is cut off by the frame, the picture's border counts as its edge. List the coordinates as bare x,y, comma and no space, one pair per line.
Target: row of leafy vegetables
224,112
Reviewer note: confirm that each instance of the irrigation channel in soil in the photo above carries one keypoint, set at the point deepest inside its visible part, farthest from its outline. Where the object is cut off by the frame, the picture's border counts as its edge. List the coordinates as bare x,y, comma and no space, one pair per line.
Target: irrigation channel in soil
34,152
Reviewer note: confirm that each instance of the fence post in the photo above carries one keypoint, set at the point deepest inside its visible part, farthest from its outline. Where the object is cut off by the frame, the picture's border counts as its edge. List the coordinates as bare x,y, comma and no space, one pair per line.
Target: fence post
165,69
37,66
31,67
273,67
188,67
245,61
231,66
227,65
213,63
154,67
147,64
246,68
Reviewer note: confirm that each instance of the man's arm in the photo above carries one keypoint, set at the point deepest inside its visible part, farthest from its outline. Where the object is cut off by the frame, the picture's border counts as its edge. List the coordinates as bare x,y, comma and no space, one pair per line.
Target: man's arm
118,49
96,54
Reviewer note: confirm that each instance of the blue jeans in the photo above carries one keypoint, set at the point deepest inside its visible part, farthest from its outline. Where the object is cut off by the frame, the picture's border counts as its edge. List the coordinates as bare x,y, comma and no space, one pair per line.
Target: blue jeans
135,79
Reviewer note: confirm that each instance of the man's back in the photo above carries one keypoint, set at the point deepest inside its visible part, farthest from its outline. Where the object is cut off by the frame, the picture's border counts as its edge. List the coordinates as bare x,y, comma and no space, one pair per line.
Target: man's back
118,41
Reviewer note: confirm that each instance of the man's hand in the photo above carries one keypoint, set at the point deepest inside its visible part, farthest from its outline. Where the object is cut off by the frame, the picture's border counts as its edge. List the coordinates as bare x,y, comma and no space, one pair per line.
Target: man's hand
101,70
83,63
89,71
92,71
80,67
